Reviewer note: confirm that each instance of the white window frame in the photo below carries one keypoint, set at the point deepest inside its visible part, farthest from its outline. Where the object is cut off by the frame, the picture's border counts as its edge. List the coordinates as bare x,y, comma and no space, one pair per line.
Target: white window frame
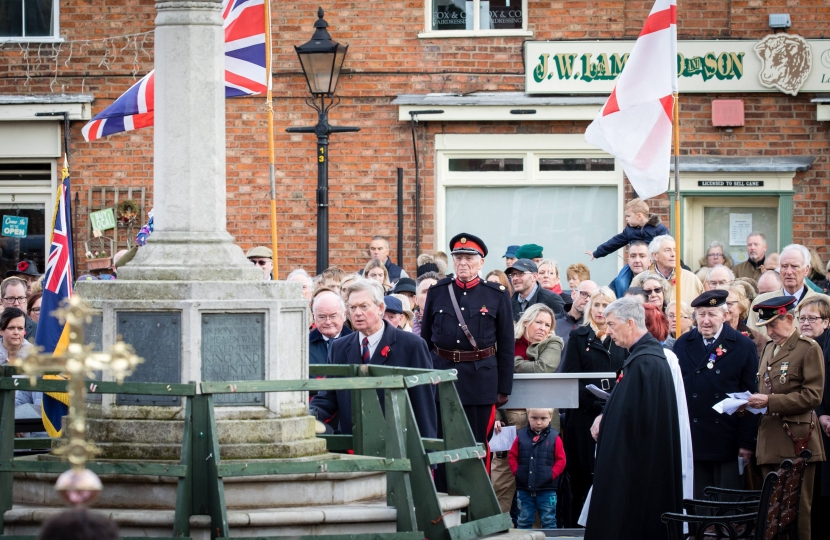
34,192
531,147
54,38
430,33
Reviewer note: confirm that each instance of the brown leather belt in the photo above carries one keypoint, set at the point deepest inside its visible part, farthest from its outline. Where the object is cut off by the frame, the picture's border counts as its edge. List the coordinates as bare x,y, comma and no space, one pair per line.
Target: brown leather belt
465,356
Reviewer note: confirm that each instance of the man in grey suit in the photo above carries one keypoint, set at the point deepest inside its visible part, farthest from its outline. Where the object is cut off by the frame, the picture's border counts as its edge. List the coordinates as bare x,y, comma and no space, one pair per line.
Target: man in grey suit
794,265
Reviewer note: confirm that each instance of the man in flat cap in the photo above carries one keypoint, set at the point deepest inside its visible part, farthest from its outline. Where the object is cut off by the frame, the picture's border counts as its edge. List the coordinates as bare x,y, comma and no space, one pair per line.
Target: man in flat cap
790,386
528,291
715,360
468,325
262,257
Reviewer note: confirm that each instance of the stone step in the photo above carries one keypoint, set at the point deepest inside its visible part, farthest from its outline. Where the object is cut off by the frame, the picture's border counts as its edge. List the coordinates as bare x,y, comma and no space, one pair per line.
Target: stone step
153,492
231,431
171,452
355,518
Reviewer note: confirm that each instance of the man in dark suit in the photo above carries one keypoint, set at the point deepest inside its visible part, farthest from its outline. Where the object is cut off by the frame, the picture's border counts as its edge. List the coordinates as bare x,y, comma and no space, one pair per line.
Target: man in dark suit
329,314
524,277
716,359
375,341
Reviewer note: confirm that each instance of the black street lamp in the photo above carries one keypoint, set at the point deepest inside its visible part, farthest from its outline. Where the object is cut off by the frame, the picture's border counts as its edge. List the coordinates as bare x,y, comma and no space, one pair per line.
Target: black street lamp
321,60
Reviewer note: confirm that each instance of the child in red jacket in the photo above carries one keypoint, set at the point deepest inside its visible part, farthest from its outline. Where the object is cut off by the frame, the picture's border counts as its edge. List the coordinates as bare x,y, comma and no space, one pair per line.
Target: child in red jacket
537,458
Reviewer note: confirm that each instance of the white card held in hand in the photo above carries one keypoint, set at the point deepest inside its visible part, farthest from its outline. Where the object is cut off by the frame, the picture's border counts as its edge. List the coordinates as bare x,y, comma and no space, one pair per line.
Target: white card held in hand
503,440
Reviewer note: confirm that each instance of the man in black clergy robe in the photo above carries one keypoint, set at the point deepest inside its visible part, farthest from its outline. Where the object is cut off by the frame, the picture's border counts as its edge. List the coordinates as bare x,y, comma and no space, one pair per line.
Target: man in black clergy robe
637,476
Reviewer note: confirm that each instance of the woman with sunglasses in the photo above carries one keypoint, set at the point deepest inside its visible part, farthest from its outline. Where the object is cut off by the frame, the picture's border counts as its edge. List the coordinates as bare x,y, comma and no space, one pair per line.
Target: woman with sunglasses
655,287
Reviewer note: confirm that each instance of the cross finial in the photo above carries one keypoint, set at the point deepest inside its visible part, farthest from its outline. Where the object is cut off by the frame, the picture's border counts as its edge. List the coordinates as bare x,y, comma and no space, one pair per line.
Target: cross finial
78,362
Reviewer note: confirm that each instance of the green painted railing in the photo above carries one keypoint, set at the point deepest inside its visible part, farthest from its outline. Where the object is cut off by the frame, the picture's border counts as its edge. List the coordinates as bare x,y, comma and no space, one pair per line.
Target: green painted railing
383,440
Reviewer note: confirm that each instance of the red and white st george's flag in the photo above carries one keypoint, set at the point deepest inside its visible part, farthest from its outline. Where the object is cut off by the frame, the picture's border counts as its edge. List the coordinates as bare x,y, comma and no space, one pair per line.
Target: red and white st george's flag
635,124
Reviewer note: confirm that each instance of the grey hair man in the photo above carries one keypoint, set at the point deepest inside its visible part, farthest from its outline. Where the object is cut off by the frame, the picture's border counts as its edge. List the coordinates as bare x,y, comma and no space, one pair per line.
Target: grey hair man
301,276
375,341
770,281
640,422
329,313
717,276
663,253
794,265
756,249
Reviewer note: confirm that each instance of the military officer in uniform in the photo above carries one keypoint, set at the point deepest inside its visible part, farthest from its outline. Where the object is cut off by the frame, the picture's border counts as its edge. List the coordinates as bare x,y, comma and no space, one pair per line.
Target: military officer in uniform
716,359
790,386
468,325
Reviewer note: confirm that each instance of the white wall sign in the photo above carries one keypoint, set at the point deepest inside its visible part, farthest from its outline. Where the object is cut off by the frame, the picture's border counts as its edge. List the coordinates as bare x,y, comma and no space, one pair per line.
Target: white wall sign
779,62
740,225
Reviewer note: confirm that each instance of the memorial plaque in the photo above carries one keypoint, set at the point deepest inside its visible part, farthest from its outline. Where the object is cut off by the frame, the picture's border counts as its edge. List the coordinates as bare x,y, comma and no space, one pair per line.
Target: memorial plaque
156,337
94,337
233,349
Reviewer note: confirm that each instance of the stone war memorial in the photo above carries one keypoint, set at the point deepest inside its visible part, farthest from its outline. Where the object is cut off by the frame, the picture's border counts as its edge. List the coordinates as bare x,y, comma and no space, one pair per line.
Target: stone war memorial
196,419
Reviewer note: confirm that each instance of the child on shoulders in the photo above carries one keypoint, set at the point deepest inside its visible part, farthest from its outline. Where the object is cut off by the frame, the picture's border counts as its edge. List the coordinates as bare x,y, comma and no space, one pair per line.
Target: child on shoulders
639,225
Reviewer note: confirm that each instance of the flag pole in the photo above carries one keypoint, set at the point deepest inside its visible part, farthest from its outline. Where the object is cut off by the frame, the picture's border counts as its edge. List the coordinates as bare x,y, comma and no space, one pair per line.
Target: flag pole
677,238
270,107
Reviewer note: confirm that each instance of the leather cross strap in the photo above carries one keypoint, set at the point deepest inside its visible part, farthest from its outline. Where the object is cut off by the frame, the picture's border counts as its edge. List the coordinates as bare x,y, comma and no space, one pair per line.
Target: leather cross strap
801,444
461,320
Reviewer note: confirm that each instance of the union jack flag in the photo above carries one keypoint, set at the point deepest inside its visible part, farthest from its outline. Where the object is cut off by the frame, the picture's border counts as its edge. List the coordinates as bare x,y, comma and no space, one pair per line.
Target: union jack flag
245,72
57,287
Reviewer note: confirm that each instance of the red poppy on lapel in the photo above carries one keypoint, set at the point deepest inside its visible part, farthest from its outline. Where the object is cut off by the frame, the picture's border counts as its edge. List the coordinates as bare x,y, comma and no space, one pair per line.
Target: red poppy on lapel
385,351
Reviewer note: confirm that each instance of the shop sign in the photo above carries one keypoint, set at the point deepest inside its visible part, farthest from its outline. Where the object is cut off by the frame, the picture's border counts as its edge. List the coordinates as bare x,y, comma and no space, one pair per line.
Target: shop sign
15,226
785,63
730,183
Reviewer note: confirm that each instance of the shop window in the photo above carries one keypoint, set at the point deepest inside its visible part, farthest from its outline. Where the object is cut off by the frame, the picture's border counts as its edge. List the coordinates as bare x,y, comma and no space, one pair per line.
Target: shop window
486,165
576,164
24,19
25,172
487,17
565,220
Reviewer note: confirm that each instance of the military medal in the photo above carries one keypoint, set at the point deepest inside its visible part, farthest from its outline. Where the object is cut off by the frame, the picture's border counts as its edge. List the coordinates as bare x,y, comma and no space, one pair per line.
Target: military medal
784,367
711,363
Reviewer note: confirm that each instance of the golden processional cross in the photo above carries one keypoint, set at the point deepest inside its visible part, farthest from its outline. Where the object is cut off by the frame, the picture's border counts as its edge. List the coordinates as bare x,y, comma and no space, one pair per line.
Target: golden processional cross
79,362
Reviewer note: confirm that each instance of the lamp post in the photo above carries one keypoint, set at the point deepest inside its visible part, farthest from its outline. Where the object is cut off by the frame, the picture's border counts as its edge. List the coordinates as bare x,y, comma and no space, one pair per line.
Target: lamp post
321,60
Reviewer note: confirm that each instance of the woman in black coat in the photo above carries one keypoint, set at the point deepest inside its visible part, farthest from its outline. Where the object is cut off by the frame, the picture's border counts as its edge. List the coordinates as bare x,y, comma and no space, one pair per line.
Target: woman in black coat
589,350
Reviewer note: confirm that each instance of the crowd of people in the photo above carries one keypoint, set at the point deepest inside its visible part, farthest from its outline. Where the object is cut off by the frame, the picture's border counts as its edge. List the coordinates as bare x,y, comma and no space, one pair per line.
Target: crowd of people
758,326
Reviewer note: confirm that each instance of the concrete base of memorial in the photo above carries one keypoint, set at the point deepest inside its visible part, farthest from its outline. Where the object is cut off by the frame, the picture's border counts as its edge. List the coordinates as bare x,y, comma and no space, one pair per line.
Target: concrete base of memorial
203,331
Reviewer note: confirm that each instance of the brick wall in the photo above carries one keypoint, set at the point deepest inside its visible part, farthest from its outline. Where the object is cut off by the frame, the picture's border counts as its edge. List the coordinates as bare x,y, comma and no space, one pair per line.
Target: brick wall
386,59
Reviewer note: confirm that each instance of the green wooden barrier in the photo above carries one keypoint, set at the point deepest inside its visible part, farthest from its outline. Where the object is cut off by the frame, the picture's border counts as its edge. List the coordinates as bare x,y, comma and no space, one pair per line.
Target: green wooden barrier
385,439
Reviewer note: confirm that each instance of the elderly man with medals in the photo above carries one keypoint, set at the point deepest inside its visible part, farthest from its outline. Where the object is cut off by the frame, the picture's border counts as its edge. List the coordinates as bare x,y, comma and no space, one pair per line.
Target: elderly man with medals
715,360
790,386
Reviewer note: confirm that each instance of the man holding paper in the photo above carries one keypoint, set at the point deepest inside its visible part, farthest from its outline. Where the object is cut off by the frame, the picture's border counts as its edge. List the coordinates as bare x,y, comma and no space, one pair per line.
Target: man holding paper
790,385
716,360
